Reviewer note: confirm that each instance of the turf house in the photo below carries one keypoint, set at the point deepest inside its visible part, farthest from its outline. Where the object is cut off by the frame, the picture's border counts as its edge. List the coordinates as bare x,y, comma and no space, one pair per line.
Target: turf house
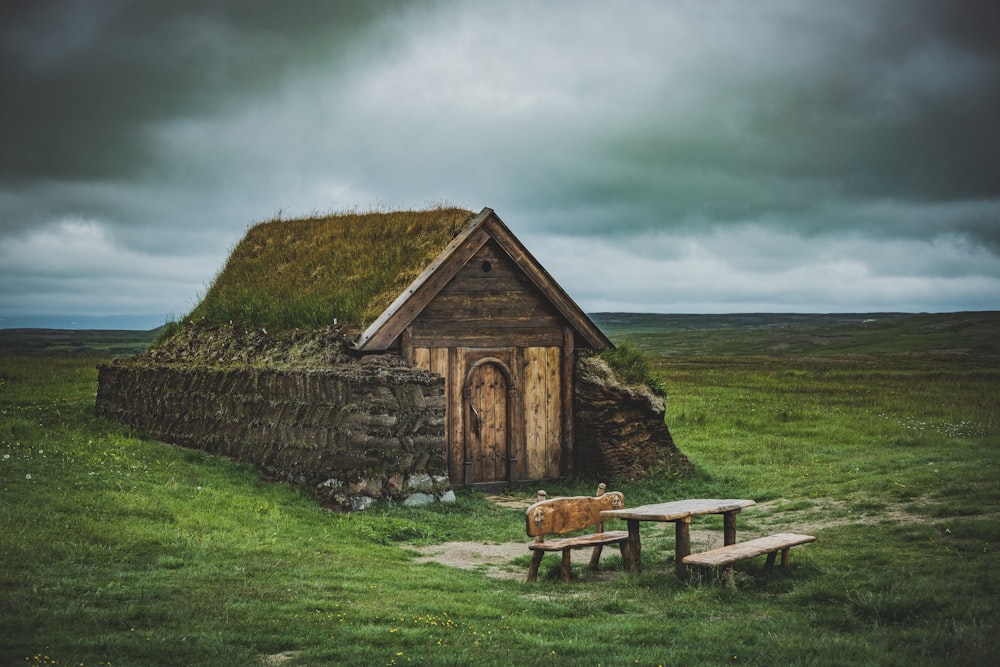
391,355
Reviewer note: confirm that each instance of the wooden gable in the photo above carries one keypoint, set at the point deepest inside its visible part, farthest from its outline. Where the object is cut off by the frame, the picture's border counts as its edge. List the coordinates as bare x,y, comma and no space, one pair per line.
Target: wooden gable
485,286
489,302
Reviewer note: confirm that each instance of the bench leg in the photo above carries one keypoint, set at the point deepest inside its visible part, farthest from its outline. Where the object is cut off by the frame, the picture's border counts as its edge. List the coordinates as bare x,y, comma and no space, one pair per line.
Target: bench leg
536,560
786,558
595,556
730,577
565,564
769,563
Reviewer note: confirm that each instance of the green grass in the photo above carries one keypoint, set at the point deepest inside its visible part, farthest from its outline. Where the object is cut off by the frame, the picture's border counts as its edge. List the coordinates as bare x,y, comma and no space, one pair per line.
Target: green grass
632,366
788,334
79,343
311,272
118,550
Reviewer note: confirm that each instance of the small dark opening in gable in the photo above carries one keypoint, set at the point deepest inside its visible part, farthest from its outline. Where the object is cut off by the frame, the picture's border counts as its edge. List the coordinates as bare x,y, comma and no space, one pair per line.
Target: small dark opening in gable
487,266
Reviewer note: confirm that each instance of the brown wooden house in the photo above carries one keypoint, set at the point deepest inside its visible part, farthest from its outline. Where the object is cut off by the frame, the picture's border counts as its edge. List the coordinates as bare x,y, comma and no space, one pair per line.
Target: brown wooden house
491,320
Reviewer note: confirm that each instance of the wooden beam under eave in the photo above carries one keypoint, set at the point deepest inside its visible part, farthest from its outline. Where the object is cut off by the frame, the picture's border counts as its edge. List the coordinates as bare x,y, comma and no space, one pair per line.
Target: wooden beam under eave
568,368
393,321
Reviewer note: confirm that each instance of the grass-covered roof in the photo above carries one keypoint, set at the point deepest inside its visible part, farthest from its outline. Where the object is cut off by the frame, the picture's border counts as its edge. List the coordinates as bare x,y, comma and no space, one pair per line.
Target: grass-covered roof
312,271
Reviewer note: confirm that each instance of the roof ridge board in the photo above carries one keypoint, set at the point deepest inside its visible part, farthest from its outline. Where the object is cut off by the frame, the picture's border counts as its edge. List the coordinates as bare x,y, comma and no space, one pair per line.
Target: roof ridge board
377,327
544,281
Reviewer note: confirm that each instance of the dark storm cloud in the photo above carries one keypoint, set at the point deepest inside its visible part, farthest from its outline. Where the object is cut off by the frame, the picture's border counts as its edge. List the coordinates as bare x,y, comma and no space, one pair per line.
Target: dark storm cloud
86,81
796,155
91,86
804,109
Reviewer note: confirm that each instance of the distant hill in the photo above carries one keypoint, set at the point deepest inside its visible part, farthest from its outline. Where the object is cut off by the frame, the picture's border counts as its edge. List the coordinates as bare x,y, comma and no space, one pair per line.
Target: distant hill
656,321
804,334
135,322
74,342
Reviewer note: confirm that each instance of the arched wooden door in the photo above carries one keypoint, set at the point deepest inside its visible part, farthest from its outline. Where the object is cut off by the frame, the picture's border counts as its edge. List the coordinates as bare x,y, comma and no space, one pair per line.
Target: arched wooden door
486,400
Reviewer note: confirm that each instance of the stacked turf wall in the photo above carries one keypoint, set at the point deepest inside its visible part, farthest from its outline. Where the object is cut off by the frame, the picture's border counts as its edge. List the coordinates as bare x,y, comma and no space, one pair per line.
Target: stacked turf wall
355,435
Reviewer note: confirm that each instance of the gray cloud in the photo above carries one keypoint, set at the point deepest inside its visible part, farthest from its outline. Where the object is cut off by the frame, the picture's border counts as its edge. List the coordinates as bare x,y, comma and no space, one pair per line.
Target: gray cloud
719,146
88,80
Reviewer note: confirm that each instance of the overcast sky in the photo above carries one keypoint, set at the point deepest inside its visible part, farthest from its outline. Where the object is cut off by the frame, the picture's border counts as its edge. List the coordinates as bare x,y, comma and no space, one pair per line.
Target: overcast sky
663,156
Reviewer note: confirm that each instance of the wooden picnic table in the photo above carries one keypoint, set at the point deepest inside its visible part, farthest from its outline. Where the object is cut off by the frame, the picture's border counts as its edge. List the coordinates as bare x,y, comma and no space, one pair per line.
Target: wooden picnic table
678,512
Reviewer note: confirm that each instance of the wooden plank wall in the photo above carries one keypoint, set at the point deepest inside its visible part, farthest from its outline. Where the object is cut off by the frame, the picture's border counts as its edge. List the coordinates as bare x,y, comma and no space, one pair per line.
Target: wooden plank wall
490,308
542,411
539,380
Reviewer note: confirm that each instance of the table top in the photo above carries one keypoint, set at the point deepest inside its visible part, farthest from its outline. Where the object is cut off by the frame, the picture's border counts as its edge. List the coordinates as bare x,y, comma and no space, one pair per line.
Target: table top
678,509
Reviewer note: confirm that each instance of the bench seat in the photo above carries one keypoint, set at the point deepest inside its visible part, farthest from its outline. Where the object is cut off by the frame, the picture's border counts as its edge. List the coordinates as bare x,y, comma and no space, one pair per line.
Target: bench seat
749,549
734,553
562,516
580,541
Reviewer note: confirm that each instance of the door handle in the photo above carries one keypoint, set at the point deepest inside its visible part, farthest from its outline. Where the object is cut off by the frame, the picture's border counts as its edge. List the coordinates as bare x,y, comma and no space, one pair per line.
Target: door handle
476,421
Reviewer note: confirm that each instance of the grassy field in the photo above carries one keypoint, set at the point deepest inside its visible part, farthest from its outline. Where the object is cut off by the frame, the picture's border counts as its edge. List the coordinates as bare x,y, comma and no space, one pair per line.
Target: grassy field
74,343
116,550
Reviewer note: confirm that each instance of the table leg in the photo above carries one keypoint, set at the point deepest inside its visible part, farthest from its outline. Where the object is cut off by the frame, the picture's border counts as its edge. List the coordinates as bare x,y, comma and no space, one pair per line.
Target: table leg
682,545
729,537
729,527
634,547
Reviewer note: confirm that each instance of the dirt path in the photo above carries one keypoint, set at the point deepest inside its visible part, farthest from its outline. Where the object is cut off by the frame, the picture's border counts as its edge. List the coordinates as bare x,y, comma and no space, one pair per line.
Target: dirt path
495,560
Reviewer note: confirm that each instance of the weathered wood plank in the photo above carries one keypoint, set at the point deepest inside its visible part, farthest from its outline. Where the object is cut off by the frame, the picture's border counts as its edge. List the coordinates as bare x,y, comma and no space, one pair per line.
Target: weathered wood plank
678,509
485,327
488,262
495,283
749,549
566,400
517,426
456,439
439,361
491,338
421,357
406,346
578,541
535,399
558,516
490,303
553,412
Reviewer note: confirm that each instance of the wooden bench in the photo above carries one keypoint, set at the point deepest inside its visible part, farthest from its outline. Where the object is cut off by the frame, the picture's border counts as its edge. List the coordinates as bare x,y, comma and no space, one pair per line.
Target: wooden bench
728,555
560,516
